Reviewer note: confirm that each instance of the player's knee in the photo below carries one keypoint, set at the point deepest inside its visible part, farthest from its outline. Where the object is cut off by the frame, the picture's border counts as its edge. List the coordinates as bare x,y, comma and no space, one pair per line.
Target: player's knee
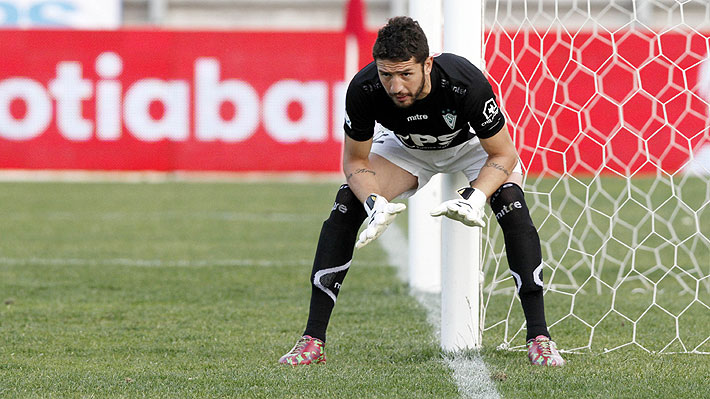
521,238
528,283
511,211
347,209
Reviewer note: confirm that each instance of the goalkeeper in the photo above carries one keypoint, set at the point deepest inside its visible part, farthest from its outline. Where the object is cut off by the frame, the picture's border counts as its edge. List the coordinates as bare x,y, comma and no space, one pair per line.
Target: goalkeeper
435,115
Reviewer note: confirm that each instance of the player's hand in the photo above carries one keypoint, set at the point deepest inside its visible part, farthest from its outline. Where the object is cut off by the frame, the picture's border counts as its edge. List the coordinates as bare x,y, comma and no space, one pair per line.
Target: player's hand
382,214
468,210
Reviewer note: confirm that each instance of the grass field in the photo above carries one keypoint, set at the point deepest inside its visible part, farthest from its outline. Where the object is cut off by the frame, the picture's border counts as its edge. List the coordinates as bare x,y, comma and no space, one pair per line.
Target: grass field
179,290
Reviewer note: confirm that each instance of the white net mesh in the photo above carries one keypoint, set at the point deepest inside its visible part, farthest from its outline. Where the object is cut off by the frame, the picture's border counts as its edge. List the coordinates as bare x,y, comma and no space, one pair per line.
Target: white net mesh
609,104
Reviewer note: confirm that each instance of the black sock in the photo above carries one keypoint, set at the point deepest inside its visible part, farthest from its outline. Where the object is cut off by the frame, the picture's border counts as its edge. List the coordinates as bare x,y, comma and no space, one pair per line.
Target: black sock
534,310
331,264
522,247
332,260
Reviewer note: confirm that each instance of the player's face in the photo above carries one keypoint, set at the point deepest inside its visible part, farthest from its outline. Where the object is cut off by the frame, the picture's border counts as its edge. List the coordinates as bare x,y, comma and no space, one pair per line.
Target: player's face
405,81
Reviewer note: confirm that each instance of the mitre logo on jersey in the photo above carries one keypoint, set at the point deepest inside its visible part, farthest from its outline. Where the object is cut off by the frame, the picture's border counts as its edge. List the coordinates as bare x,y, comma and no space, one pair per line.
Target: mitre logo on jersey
490,109
417,118
450,118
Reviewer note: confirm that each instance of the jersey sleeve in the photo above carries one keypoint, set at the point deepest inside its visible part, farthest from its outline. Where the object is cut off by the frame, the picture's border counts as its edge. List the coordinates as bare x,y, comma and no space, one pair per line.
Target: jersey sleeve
484,115
359,117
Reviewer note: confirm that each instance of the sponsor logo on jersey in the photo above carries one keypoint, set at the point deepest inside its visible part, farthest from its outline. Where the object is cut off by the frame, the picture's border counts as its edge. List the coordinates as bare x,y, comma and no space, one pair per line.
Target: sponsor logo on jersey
370,87
450,118
427,141
460,90
417,118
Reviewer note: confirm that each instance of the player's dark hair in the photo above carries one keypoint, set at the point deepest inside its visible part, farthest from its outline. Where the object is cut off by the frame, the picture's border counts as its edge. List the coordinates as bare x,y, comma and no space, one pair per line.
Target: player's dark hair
401,39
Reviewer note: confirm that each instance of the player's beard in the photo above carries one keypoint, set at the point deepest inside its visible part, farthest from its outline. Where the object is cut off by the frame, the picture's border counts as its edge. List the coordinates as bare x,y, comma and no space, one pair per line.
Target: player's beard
414,96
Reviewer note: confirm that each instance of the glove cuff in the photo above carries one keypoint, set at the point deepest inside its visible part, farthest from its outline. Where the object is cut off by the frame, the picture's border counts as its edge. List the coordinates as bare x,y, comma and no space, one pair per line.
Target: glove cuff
371,201
472,195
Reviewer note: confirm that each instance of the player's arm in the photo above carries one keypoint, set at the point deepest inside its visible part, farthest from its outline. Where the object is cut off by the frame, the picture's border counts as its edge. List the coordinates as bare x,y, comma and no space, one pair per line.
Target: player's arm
360,176
502,158
362,180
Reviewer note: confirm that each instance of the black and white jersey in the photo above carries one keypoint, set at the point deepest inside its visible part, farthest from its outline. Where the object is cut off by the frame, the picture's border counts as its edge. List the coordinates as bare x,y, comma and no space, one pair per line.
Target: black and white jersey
461,105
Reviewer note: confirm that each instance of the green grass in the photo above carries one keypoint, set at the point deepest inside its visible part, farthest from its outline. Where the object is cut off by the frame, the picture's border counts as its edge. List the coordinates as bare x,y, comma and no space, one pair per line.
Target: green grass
194,290
633,374
221,293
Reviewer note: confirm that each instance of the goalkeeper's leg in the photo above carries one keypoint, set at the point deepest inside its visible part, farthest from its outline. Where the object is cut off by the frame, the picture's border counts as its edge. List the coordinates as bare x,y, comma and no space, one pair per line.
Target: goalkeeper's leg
522,246
332,259
335,249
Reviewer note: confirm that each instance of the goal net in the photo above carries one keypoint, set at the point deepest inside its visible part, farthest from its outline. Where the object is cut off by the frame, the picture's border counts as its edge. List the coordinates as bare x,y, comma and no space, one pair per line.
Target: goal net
609,105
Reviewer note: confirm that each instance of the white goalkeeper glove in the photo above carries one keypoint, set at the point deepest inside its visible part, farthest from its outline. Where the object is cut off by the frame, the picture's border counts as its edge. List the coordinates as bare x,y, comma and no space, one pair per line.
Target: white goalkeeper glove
382,214
468,210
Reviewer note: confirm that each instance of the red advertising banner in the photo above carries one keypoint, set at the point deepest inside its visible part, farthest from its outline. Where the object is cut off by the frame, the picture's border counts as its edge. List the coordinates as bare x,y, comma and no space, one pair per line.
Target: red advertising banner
165,100
627,102
618,103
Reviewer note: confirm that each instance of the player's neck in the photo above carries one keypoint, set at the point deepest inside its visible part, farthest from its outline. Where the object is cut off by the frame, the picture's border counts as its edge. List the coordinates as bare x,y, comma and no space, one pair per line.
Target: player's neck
427,88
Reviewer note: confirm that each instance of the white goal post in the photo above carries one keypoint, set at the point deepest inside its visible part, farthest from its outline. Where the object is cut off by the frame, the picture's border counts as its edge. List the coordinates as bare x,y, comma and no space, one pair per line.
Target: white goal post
608,102
453,266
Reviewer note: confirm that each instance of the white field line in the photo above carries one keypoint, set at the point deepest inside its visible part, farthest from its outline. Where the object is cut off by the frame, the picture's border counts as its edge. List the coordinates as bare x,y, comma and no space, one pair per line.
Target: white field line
228,216
160,262
147,262
469,370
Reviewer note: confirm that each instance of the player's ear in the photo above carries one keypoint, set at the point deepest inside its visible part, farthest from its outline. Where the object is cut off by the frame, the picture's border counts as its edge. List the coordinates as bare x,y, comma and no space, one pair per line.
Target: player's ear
428,63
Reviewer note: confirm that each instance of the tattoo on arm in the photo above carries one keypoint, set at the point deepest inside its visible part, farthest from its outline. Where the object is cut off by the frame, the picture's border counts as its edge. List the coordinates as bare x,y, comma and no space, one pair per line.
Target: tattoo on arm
360,171
496,166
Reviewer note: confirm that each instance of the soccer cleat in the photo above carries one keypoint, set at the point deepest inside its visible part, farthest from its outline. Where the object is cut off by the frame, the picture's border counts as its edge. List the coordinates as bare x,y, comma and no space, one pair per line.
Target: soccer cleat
543,352
306,351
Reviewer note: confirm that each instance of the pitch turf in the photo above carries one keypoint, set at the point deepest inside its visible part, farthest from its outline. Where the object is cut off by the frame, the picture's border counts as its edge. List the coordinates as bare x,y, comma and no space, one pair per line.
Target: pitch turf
195,289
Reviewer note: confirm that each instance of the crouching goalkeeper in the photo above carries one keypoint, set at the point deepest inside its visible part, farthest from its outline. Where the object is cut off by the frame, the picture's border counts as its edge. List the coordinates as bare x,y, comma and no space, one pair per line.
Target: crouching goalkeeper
435,115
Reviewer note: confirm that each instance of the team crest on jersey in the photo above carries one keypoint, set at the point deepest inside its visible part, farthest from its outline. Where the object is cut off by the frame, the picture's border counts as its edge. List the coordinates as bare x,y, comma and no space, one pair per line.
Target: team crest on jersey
449,117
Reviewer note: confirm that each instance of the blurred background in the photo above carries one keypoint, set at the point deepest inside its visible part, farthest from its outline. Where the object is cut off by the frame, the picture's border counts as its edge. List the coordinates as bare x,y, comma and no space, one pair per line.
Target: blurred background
255,14
258,85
